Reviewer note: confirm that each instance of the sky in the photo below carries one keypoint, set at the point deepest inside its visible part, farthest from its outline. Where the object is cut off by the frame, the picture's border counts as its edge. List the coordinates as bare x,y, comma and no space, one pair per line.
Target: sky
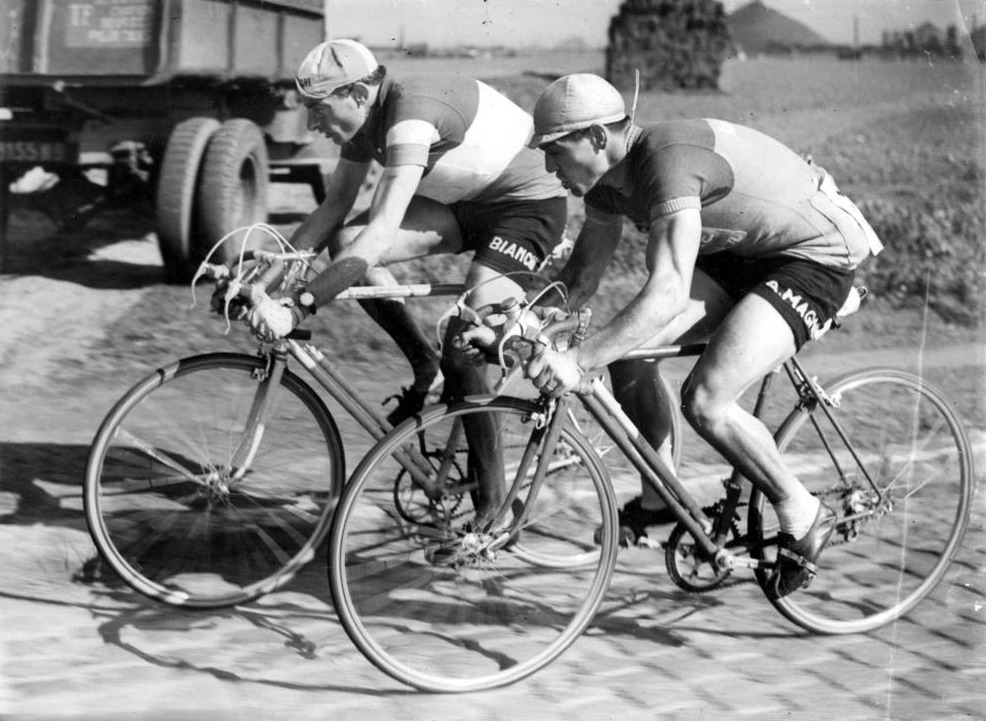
517,23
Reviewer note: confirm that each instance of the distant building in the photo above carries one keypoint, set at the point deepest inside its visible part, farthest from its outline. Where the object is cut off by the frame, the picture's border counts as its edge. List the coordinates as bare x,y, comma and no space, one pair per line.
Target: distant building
929,37
929,40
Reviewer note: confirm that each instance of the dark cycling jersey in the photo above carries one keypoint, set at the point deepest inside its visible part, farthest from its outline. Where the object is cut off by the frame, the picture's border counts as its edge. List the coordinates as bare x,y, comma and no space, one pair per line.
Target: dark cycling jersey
471,140
757,197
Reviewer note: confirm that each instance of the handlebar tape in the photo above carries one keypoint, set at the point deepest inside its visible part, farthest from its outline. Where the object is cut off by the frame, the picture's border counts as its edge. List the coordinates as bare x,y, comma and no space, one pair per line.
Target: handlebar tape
337,277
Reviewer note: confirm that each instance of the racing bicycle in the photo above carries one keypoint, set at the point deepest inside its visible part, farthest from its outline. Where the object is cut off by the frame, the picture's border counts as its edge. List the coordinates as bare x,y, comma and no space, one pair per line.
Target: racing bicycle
448,606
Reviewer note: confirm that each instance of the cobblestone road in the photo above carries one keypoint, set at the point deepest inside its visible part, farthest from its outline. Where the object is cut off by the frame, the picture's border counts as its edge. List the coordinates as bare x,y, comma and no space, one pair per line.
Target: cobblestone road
78,649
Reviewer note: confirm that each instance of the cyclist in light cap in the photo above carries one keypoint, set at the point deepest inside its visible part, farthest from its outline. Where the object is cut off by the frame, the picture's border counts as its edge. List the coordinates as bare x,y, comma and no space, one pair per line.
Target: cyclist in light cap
458,176
749,246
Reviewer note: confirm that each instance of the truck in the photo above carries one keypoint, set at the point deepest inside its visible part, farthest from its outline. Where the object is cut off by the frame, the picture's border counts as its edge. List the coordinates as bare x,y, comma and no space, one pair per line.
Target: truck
191,103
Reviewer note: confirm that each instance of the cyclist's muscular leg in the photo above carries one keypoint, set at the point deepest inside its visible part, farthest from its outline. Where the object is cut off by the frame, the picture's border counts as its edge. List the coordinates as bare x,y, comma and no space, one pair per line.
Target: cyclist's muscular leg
637,385
428,228
750,342
396,320
638,389
463,378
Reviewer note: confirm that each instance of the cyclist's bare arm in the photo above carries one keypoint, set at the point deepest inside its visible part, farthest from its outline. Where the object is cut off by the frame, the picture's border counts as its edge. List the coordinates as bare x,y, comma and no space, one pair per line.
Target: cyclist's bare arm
671,252
591,254
341,192
395,189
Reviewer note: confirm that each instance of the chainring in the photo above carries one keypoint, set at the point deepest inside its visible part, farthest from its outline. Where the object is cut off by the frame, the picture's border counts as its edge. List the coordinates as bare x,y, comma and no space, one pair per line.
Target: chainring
686,569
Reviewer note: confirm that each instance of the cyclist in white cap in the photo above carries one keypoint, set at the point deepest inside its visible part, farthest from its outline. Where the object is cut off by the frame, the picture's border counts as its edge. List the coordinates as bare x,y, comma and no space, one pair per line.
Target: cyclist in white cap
458,176
749,246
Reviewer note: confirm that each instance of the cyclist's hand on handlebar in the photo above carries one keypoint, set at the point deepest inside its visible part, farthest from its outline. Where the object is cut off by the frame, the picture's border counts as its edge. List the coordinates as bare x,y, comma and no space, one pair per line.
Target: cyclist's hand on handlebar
474,344
554,372
271,319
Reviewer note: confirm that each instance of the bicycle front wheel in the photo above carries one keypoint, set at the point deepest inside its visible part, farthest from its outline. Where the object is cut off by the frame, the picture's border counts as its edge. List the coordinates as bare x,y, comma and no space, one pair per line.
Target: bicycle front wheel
902,501
171,512
420,594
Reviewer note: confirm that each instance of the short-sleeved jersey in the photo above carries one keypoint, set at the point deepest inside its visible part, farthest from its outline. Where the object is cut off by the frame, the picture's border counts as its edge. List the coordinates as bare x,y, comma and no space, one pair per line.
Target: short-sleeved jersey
470,139
757,197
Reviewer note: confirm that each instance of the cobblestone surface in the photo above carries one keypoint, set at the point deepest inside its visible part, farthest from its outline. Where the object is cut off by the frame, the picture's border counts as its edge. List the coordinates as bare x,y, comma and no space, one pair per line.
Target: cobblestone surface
74,649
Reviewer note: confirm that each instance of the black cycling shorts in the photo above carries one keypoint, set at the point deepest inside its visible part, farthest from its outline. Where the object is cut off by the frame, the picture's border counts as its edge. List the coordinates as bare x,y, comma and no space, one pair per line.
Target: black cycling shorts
513,235
805,293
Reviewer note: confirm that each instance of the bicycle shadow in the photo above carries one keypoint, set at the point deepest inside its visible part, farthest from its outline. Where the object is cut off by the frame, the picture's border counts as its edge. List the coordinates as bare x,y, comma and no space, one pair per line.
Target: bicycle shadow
42,483
121,615
644,605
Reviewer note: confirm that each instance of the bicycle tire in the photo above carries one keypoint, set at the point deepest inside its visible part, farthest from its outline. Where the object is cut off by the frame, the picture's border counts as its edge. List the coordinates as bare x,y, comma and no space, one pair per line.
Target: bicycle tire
471,623
878,568
161,504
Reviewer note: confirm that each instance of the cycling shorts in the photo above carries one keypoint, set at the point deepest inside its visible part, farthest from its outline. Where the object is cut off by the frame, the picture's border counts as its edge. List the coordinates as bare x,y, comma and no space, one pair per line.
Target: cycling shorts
514,235
806,294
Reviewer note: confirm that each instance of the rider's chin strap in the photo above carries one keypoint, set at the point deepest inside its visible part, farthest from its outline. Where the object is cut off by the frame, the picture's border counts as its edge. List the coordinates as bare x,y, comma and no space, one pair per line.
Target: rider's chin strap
636,94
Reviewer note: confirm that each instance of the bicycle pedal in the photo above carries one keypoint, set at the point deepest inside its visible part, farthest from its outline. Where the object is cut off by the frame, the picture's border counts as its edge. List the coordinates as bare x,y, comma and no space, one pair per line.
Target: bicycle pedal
648,542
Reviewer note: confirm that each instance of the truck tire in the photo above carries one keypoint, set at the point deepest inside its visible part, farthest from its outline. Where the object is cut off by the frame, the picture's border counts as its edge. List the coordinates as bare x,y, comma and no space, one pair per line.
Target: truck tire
175,212
233,191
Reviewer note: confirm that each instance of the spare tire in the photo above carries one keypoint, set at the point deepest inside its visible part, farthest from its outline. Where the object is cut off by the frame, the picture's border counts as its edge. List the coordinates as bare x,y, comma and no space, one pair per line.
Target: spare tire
233,191
175,215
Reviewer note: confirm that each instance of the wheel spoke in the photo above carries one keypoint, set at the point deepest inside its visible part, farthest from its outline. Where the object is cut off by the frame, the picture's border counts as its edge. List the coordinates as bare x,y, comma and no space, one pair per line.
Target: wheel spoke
164,508
885,556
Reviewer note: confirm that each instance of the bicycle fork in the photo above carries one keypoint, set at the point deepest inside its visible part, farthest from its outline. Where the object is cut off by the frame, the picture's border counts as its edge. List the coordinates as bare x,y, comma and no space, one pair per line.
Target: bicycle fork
260,407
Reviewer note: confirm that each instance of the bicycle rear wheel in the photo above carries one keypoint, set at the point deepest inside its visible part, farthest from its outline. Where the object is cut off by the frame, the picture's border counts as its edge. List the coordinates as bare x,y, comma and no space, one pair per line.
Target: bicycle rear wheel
425,604
894,539
173,517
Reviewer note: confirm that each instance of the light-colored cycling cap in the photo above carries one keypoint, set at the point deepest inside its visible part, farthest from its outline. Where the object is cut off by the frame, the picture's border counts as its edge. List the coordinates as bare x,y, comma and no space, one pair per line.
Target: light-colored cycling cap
333,64
572,103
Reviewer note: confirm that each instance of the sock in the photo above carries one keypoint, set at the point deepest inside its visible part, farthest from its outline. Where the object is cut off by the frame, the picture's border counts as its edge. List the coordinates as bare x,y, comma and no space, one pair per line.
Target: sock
797,514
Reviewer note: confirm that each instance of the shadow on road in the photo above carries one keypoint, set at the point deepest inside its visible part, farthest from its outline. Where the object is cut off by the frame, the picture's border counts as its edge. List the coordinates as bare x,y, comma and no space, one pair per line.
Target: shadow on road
43,483
34,246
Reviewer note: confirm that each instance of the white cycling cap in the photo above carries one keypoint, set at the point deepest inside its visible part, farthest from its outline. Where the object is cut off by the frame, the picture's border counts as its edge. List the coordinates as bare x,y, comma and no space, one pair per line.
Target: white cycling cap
333,64
572,103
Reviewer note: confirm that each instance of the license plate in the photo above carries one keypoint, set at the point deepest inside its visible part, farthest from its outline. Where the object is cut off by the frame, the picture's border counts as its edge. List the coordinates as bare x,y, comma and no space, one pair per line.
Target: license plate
32,151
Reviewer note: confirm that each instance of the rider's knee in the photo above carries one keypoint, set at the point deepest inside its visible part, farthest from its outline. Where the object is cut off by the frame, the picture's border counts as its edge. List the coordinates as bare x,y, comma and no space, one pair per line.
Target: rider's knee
701,407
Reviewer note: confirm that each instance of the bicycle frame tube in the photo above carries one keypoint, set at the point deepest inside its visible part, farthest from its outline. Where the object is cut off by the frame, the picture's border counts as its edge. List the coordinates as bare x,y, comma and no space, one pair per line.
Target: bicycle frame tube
545,437
607,412
329,378
374,292
825,402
